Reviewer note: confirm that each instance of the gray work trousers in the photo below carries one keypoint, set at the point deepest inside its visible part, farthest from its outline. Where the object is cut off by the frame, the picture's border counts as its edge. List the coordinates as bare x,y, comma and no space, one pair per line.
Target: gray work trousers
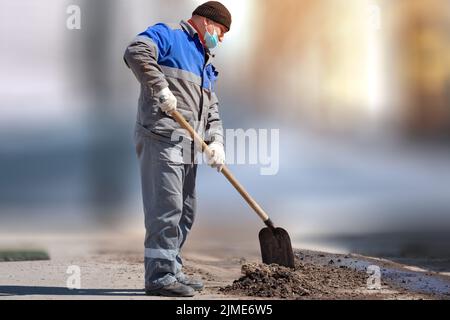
169,197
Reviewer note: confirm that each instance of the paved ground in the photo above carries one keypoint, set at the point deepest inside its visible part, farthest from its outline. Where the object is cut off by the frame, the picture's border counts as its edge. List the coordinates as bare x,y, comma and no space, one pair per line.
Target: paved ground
112,268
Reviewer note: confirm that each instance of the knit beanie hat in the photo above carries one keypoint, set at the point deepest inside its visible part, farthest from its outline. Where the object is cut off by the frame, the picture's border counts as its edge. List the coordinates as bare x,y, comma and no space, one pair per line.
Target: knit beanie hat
216,12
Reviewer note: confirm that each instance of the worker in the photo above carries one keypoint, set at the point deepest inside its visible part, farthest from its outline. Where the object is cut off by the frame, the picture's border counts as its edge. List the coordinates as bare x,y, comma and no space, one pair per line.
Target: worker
173,64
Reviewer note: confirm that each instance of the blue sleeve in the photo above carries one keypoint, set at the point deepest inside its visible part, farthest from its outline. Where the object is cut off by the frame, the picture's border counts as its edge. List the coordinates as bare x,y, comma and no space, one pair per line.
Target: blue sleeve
161,35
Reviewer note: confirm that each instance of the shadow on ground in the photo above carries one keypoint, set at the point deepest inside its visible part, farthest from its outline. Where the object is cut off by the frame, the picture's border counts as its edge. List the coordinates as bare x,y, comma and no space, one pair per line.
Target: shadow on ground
60,291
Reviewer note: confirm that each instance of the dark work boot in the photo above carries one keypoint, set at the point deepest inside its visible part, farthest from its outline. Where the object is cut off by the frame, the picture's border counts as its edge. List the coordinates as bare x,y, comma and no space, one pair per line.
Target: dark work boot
175,289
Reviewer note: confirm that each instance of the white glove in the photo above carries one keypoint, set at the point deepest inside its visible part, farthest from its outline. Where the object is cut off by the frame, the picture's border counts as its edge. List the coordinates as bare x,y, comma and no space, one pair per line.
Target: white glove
217,159
167,101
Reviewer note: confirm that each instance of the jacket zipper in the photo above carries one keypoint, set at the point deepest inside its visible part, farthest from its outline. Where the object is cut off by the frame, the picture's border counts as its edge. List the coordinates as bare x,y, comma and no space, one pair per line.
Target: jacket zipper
205,56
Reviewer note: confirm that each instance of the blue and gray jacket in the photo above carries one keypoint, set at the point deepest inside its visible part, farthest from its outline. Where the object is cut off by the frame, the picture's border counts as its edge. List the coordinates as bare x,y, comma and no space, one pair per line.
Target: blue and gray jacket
173,56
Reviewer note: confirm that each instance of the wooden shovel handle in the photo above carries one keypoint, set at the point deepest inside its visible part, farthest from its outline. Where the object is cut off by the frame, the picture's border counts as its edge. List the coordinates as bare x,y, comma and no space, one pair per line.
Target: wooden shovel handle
225,171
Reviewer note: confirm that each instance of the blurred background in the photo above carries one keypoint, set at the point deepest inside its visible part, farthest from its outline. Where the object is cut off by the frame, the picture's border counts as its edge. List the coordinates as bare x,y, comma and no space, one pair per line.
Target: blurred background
360,91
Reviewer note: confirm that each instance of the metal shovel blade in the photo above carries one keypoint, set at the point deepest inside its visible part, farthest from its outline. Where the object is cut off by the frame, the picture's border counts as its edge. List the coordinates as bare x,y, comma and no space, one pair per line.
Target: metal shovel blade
276,247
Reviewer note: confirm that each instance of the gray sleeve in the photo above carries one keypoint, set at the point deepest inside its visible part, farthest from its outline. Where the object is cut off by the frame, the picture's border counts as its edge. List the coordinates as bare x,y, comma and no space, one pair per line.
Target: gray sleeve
214,127
141,56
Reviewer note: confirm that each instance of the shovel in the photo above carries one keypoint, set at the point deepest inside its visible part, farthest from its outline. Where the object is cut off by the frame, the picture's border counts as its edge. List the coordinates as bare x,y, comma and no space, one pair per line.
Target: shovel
275,242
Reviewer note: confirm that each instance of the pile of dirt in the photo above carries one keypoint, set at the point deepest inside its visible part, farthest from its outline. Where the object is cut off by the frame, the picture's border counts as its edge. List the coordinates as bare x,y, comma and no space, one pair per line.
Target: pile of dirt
260,280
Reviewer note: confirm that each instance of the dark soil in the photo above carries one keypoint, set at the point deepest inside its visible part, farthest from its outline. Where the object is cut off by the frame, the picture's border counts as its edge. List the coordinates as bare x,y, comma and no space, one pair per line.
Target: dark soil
306,280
